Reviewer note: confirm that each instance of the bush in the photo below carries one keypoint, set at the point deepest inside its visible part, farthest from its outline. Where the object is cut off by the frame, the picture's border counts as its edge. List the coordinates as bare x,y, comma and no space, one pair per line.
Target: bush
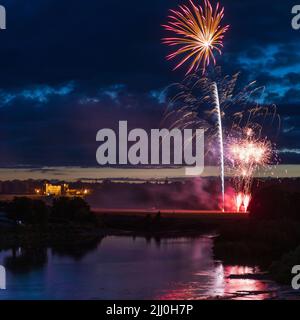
28,211
274,203
71,209
281,270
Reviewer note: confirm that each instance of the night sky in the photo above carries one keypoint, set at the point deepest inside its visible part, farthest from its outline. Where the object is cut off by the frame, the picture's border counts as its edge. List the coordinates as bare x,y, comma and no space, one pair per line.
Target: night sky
72,67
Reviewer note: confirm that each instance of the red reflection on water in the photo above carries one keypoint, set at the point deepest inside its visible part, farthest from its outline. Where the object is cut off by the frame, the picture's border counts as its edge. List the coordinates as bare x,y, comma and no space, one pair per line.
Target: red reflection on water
243,287
220,282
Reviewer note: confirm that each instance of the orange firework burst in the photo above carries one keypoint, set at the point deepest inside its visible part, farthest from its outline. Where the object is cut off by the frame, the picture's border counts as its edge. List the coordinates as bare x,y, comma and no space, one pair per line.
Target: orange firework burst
198,33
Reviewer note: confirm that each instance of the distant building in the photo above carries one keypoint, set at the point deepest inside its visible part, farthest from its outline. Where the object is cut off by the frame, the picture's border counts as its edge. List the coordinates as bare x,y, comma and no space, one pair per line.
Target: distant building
53,190
58,190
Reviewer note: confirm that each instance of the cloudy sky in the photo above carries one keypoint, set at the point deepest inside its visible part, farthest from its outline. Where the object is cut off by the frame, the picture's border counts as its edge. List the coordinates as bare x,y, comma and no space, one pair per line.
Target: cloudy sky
72,67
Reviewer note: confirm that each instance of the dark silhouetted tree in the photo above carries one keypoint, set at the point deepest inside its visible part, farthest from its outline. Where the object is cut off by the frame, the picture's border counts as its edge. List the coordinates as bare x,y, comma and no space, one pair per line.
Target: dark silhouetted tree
72,209
28,211
275,203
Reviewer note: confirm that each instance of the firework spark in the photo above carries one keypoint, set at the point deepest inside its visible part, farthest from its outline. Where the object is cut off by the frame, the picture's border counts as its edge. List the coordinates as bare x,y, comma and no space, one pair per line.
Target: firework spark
235,124
246,156
242,201
250,152
239,201
220,136
198,34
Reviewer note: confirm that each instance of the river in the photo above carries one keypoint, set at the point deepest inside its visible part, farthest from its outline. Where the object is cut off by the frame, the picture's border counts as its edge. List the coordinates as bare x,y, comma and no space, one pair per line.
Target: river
131,268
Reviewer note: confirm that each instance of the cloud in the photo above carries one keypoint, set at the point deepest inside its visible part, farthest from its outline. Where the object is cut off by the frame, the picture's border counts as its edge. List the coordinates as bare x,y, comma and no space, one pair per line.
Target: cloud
295,151
103,43
39,94
63,130
103,61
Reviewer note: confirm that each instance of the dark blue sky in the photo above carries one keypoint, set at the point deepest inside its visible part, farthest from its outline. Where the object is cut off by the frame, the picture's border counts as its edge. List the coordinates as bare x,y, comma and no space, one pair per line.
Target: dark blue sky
71,67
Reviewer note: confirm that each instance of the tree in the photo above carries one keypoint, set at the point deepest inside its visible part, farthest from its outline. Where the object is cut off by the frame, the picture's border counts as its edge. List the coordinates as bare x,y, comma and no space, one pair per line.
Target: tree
275,203
28,211
71,209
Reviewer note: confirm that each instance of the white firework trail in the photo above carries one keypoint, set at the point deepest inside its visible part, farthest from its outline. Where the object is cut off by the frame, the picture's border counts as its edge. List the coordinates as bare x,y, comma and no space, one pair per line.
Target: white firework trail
217,106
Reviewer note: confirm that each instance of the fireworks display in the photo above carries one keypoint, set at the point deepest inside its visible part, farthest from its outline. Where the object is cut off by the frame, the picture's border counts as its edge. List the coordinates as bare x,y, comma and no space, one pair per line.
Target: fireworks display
232,119
198,34
236,129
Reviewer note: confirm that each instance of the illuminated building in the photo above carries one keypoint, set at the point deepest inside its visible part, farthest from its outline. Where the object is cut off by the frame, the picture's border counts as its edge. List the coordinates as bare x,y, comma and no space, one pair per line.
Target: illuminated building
58,190
53,190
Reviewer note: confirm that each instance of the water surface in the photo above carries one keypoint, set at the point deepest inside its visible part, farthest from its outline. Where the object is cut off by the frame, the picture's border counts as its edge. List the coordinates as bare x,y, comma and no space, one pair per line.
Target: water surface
129,268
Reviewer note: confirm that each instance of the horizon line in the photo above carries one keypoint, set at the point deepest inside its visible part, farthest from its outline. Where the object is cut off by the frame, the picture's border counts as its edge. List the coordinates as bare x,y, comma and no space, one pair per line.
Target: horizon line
75,173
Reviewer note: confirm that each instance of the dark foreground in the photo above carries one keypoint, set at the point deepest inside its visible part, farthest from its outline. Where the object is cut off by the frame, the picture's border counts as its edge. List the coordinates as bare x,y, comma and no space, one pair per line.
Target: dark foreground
69,227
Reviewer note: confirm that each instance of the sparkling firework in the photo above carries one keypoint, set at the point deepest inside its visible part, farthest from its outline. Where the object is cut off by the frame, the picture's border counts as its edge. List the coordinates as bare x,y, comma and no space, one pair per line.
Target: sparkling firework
220,136
247,198
246,156
250,153
239,201
198,34
233,121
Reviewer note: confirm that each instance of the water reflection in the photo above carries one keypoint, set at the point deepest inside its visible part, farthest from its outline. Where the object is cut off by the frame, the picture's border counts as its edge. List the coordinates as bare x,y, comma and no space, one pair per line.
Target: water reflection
219,284
23,260
76,251
128,268
243,287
